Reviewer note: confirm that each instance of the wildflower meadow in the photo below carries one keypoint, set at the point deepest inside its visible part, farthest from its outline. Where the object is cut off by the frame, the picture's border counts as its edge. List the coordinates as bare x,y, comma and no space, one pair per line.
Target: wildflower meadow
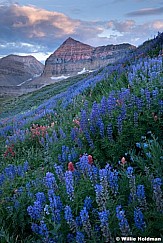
84,164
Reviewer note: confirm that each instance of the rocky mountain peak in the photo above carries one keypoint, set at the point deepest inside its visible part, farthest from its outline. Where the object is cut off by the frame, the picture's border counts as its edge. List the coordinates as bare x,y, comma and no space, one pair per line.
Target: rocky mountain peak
69,41
74,56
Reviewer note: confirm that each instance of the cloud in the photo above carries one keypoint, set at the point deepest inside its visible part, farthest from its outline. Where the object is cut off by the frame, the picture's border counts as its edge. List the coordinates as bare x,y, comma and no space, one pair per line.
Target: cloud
145,11
28,29
122,27
29,24
130,31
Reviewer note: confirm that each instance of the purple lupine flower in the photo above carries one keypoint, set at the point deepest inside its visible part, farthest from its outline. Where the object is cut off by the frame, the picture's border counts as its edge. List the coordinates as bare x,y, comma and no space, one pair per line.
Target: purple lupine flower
103,175
139,104
40,196
157,194
20,171
113,181
88,203
55,201
10,172
79,237
55,206
26,166
100,125
74,154
123,111
35,211
85,221
84,120
50,181
95,111
64,153
135,119
70,238
129,171
119,124
43,230
35,228
141,196
132,185
88,137
60,158
68,214
123,223
155,93
139,219
100,197
54,135
110,132
92,127
95,173
74,133
62,133
69,218
148,98
69,184
28,188
90,173
59,172
78,221
104,225
103,108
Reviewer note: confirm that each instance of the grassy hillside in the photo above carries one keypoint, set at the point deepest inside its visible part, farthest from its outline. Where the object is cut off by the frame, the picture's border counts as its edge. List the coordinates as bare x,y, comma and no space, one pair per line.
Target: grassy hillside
82,161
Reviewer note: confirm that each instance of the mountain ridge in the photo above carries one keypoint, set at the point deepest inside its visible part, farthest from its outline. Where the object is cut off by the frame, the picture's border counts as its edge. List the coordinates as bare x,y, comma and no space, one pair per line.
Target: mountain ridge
15,69
73,56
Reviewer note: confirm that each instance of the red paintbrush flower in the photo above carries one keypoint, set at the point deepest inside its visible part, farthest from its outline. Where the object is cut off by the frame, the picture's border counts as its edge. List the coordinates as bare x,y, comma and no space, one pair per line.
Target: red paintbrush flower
90,159
71,166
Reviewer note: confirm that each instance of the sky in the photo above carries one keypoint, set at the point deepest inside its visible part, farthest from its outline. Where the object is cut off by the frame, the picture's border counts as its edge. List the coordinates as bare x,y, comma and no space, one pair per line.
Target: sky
39,27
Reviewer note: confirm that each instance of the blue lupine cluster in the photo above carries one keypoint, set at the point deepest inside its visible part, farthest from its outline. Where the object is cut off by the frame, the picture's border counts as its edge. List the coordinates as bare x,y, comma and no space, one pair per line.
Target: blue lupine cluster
139,219
55,206
83,165
68,154
103,175
104,224
88,203
50,181
136,73
35,211
69,218
80,237
40,229
59,172
12,171
69,181
140,193
110,131
100,197
123,223
85,221
132,184
157,194
129,171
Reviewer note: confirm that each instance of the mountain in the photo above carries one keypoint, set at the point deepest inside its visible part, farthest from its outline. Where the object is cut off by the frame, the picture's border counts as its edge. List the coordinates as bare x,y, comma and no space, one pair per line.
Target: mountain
74,57
16,69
